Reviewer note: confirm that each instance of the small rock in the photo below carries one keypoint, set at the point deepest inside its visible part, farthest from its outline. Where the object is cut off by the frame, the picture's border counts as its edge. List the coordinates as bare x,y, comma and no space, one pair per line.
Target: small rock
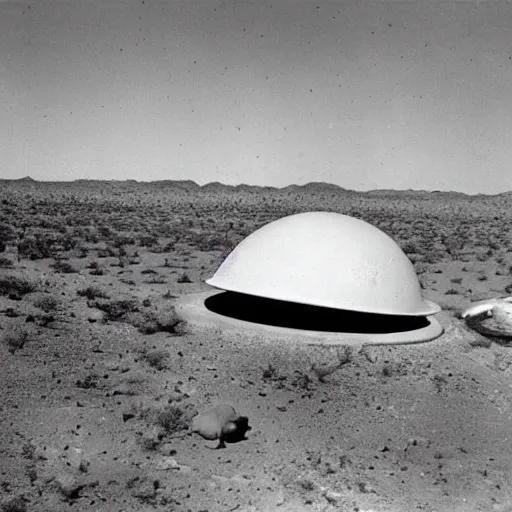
166,463
84,466
95,316
332,497
68,485
128,416
74,456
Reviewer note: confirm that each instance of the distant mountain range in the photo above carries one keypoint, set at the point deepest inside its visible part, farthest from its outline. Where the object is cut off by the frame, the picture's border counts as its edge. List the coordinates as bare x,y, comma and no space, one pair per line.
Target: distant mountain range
316,188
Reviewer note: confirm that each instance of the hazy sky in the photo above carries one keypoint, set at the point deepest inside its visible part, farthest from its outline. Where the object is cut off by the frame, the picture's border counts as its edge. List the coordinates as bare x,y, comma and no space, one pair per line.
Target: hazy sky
362,94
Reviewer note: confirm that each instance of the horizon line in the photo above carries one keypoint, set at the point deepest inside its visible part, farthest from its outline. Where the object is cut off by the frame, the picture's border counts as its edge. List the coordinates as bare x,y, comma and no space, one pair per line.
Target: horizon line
132,180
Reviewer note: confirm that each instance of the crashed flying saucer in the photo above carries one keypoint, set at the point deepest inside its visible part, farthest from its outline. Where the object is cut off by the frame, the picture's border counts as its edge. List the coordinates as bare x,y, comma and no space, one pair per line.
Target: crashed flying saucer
329,261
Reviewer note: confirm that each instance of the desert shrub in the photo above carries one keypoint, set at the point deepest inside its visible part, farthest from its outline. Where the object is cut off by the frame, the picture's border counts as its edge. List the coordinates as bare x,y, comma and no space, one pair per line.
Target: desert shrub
172,419
16,286
37,248
158,279
112,252
149,322
63,267
454,245
122,240
7,234
183,278
16,504
147,240
80,252
116,309
456,280
105,232
432,257
157,359
15,339
47,303
302,381
90,382
482,278
91,237
92,292
206,244
409,248
6,262
67,242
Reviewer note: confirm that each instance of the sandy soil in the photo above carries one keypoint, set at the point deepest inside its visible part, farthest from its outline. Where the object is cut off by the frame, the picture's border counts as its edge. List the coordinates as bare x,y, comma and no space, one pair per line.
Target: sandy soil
94,411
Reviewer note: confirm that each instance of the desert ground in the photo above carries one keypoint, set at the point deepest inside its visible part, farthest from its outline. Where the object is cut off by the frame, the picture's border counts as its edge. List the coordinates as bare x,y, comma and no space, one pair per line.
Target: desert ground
100,377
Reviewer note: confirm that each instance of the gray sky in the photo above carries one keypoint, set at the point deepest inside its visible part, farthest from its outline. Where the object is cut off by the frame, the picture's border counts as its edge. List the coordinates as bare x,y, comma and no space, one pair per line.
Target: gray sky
362,94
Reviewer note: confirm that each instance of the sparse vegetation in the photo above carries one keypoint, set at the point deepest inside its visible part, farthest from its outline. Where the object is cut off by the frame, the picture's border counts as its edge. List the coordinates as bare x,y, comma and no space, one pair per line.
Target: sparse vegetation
157,359
16,504
183,278
15,339
64,267
6,262
115,309
47,303
172,419
92,292
17,287
97,372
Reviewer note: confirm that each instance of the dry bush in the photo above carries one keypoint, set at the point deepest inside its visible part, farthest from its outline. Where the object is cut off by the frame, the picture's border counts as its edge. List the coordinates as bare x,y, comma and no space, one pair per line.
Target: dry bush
6,262
7,234
410,248
16,286
47,303
172,419
183,278
158,279
149,271
35,248
92,292
115,310
157,359
150,322
16,504
15,339
63,267
148,240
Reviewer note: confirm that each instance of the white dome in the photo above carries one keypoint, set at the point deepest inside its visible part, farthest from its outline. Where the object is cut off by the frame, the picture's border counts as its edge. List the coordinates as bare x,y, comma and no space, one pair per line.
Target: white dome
325,259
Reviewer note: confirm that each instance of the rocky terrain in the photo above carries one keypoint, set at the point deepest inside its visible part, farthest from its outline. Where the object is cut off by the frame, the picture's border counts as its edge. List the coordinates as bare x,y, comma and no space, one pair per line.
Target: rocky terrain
100,377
